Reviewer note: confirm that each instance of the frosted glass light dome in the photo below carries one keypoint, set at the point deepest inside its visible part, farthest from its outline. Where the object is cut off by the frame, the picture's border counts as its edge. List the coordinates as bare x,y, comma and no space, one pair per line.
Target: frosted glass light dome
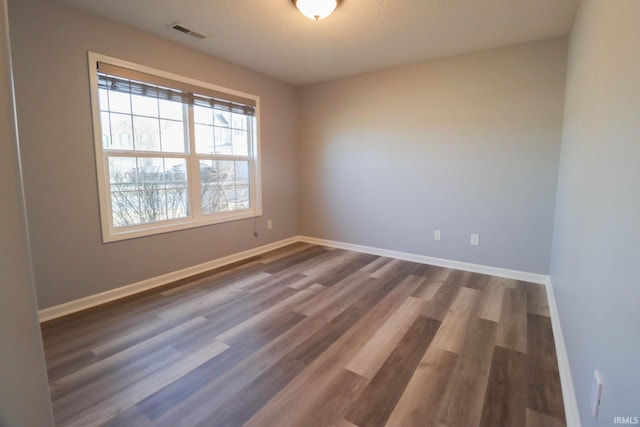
316,9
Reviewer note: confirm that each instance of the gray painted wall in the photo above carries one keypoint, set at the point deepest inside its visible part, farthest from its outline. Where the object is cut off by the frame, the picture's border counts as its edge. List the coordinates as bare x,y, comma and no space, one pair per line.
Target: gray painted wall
468,144
24,390
595,265
50,44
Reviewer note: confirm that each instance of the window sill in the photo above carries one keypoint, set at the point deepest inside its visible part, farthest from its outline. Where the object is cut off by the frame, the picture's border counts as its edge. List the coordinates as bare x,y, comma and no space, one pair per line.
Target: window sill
125,233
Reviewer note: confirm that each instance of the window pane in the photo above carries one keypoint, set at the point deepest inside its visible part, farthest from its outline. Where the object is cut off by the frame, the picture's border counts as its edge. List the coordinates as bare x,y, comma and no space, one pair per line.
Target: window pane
177,188
239,121
103,99
153,203
204,139
146,190
224,185
242,197
119,102
208,186
214,174
223,141
125,205
203,115
147,133
172,135
240,142
222,118
125,202
151,189
123,170
144,105
121,132
170,110
105,129
242,173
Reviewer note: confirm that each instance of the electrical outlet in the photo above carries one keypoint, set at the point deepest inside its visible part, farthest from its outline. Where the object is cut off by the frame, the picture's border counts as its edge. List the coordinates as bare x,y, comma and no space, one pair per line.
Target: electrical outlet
437,235
475,239
269,224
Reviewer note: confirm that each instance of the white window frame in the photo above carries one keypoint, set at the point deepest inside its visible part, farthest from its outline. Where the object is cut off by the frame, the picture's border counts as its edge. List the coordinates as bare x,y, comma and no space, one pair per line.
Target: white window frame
195,218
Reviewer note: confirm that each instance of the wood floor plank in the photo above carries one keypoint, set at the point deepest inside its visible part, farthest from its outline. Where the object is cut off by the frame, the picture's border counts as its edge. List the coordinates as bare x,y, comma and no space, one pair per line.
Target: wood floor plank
250,355
246,402
218,278
536,419
464,396
376,403
194,399
284,252
490,305
309,350
104,366
331,260
544,391
451,334
131,417
418,404
427,290
385,268
537,302
512,328
239,331
336,298
439,305
113,404
149,331
344,270
373,354
506,396
293,260
73,402
331,405
67,365
376,264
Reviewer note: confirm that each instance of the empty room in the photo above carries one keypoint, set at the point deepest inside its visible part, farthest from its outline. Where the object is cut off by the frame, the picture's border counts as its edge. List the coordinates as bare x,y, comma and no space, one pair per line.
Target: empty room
321,213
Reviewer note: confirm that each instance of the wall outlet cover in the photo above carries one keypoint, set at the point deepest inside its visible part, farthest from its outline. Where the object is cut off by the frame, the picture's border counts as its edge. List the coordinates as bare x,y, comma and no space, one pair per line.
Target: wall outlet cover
596,393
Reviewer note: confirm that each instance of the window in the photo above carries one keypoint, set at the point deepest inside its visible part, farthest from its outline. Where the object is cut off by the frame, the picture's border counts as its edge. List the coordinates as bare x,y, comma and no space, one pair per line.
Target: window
171,152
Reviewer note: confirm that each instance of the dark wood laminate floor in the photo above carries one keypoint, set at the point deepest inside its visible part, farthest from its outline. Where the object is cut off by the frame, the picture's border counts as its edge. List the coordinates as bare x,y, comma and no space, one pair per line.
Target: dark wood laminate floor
311,336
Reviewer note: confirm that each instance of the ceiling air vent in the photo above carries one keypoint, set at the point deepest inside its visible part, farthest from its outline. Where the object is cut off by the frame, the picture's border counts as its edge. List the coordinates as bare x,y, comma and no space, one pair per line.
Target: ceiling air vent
183,29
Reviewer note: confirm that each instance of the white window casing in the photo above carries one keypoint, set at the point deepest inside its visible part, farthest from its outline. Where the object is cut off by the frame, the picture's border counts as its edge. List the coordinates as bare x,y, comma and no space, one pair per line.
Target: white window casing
171,152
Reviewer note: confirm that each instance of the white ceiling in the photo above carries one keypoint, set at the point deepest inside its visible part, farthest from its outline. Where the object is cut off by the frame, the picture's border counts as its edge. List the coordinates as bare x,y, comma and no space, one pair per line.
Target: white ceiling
272,37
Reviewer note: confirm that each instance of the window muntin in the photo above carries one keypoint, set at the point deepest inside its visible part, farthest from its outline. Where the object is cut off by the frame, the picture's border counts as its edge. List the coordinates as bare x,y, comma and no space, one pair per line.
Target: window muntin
172,153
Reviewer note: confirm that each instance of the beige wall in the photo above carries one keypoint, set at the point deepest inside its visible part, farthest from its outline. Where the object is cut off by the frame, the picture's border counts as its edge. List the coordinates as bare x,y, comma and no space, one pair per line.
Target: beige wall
597,227
50,44
24,391
468,144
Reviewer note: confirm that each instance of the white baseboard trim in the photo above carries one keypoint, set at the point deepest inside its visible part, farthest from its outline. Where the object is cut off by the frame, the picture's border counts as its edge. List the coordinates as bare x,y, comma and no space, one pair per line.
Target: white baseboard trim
568,392
440,262
70,307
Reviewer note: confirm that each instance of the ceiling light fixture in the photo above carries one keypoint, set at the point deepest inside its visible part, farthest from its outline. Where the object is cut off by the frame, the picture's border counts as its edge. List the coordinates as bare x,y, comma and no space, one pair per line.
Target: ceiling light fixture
316,9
